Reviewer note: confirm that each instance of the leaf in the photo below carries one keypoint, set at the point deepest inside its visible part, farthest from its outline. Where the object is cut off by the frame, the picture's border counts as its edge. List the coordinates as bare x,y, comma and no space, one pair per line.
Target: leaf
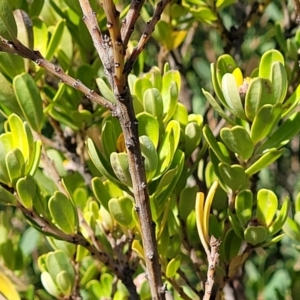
121,210
105,90
243,206
215,105
39,32
50,285
64,283
267,204
192,134
266,62
100,192
55,39
231,245
6,198
238,140
265,121
11,65
259,93
232,96
255,235
233,176
29,99
238,229
281,218
8,26
211,140
58,261
26,188
100,162
288,129
279,82
292,102
149,126
150,156
15,165
173,266
153,103
120,165
264,161
63,212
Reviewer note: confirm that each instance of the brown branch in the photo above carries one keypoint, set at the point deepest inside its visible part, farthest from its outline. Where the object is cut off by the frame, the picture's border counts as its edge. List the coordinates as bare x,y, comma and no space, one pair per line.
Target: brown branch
114,28
146,35
18,48
129,21
212,257
125,113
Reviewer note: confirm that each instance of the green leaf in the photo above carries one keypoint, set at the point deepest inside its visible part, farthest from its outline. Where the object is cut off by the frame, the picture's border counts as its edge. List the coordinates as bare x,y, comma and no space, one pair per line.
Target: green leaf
58,261
265,121
149,126
255,235
105,90
233,176
192,134
24,25
215,105
288,129
264,161
64,283
15,165
281,217
100,162
55,39
8,101
234,221
231,245
7,198
153,103
26,188
11,65
50,285
121,210
168,146
29,99
266,62
243,206
39,32
279,82
140,86
267,204
237,139
100,192
187,201
211,140
111,131
171,83
119,163
8,26
173,266
292,229
232,96
292,102
150,156
63,212
259,93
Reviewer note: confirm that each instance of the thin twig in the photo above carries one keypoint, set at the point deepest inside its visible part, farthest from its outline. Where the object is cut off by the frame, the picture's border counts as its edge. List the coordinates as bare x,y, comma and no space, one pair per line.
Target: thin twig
212,257
129,21
146,35
21,50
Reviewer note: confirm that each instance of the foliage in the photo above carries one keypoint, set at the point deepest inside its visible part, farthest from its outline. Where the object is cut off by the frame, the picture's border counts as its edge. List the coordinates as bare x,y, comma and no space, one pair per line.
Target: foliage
70,221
